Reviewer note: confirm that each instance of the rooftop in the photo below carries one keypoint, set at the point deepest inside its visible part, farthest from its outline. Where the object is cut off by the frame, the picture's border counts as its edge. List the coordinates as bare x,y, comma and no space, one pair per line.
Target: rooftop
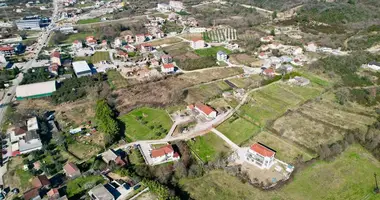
100,192
162,151
204,108
35,89
262,150
81,66
168,66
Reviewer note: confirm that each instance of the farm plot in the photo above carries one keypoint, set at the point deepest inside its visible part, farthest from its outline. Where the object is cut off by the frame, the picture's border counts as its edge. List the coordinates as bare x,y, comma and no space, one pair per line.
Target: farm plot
204,93
208,146
211,52
146,123
285,150
238,129
167,41
220,35
243,59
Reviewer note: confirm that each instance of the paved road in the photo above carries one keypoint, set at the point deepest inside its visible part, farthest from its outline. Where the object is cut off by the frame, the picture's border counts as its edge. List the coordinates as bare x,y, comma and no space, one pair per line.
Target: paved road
228,141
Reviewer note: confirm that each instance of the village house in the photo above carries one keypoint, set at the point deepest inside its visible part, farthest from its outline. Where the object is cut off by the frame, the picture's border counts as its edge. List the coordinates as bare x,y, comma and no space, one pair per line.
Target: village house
91,41
32,194
164,154
129,48
166,59
222,56
264,47
71,170
140,38
128,38
53,194
267,39
269,72
197,43
167,68
297,51
8,51
311,46
25,142
205,110
41,181
296,62
154,63
122,54
77,44
261,156
176,6
55,62
100,192
17,133
146,48
111,156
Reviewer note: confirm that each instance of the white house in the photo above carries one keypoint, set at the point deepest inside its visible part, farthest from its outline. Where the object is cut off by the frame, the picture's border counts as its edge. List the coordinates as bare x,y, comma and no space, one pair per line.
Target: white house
77,44
140,38
297,51
221,56
197,43
163,7
167,68
176,5
261,156
118,42
165,153
81,68
205,110
311,46
267,39
372,65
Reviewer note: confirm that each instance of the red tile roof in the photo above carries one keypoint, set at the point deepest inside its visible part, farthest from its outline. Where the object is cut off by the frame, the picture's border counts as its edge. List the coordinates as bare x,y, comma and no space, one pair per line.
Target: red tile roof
162,151
122,53
204,108
32,193
269,71
70,168
16,153
168,66
6,48
262,150
56,54
196,39
119,161
40,181
20,130
53,192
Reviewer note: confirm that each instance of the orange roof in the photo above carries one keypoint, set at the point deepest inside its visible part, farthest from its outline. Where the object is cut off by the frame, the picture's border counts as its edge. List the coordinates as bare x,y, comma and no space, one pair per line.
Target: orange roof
162,151
169,65
70,168
204,108
55,54
196,39
6,48
76,42
52,192
269,71
262,150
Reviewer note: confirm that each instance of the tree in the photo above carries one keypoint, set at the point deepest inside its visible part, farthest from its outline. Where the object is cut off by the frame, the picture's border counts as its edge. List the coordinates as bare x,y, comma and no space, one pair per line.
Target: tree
272,32
274,15
105,121
342,95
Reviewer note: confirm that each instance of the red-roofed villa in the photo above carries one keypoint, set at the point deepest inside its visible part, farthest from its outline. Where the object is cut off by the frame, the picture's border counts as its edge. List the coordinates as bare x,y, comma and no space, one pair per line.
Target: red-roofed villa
206,110
261,156
164,154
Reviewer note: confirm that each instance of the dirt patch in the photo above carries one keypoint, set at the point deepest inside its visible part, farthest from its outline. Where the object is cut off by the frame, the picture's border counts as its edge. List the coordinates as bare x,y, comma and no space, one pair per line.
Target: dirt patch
242,59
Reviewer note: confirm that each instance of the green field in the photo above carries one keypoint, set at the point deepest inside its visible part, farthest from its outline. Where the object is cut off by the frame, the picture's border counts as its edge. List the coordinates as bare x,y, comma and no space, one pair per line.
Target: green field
116,80
100,56
146,123
238,129
348,177
88,21
80,184
77,36
208,146
211,52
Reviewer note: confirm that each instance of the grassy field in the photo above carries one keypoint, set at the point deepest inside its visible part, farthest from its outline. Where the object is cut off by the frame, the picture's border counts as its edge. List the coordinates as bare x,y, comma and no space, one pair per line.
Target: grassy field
146,123
88,21
16,177
348,177
78,185
285,150
116,80
83,150
170,40
78,36
203,93
207,52
100,56
238,129
208,146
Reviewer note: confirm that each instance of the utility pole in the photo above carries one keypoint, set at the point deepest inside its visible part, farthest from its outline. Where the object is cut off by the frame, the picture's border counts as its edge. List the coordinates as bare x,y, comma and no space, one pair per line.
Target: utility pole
376,190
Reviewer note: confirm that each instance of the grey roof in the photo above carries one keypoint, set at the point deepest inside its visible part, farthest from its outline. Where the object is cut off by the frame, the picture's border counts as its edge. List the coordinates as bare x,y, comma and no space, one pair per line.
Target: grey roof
30,135
81,66
35,89
374,63
30,145
109,156
101,193
221,53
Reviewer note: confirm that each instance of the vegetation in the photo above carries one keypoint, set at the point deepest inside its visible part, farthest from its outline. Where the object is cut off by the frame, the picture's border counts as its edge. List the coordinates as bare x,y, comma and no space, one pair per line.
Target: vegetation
7,75
146,123
197,63
116,80
105,120
211,52
35,75
88,21
83,184
169,27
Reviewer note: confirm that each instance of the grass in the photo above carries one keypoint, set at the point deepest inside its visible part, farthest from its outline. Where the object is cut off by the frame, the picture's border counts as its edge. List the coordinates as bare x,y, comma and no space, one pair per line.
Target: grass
349,176
81,184
146,123
208,146
100,56
211,52
170,40
238,129
88,21
116,80
77,36
204,93
24,177
82,150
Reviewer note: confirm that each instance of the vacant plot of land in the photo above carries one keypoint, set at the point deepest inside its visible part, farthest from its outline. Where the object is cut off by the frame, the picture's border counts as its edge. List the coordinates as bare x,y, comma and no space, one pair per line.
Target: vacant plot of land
190,36
83,150
177,49
77,36
100,56
238,129
205,92
16,177
344,178
208,146
170,40
243,59
219,103
88,21
285,151
211,52
146,123
116,80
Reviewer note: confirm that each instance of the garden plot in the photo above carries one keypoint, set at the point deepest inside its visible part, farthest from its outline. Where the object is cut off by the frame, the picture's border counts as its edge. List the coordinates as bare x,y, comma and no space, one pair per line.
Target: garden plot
205,92
220,35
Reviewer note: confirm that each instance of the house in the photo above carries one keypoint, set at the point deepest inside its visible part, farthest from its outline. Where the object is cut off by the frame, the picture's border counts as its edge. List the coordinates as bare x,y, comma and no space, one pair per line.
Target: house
99,192
300,81
145,48
166,59
269,72
71,170
162,154
32,194
8,51
35,90
77,44
31,142
128,38
205,110
297,51
263,55
177,6
129,48
117,42
17,133
81,68
261,156
54,68
53,194
140,38
111,156
90,41
167,68
296,62
122,54
154,63
104,43
274,46
55,58
311,46
163,7
222,56
373,65
32,124
197,43
41,181
267,39
119,191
